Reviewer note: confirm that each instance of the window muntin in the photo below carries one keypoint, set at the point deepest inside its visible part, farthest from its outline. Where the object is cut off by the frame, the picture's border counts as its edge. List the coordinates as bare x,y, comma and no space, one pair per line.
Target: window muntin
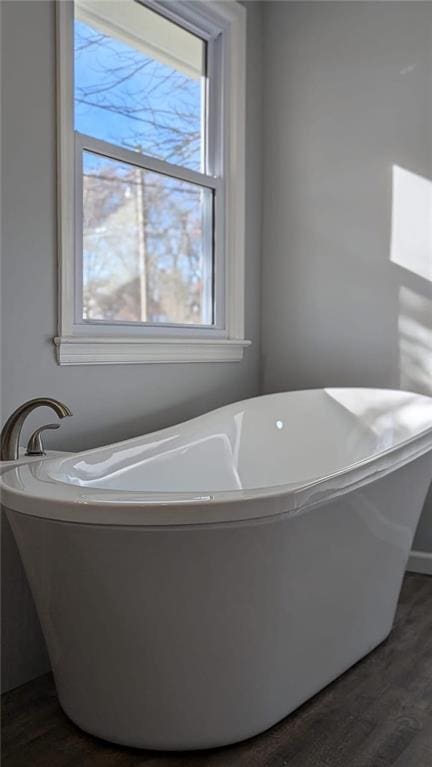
146,256
145,239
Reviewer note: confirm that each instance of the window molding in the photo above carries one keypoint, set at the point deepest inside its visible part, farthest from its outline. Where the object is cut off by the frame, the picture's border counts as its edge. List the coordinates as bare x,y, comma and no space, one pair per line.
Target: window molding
78,344
107,351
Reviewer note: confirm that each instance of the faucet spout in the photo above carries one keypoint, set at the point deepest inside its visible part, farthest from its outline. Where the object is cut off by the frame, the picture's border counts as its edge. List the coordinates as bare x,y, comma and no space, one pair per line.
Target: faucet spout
11,432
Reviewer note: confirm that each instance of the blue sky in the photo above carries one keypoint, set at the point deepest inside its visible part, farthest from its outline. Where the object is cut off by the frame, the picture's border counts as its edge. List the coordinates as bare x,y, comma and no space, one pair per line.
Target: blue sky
144,88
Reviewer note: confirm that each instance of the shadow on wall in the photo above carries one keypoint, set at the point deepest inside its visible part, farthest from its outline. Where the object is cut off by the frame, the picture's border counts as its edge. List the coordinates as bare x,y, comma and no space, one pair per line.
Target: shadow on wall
24,653
411,249
415,341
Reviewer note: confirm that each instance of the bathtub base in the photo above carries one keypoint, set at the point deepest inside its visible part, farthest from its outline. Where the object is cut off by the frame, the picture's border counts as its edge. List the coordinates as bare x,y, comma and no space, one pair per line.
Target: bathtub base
168,744
198,636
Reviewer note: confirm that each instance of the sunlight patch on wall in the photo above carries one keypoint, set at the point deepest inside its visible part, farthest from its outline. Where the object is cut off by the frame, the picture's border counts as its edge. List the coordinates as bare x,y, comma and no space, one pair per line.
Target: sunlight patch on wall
411,237
415,341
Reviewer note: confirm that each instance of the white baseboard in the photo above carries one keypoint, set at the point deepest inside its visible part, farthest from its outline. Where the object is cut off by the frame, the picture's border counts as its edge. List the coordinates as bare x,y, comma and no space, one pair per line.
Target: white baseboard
420,562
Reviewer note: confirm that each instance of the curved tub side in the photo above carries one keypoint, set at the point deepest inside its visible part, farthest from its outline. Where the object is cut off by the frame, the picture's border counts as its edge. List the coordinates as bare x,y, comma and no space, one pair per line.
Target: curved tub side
200,636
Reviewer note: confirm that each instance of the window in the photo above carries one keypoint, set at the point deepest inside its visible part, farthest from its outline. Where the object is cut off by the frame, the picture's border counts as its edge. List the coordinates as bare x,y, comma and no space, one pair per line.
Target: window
151,181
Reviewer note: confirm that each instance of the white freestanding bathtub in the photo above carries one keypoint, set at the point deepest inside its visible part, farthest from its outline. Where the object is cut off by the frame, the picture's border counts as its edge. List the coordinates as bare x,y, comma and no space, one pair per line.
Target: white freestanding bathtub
197,584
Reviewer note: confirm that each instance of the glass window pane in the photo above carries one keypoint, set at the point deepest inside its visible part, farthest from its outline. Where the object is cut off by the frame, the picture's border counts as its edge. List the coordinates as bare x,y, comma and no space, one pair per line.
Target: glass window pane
147,249
139,81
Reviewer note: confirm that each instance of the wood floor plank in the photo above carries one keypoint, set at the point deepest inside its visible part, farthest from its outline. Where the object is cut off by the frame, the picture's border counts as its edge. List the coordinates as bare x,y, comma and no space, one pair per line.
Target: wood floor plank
378,714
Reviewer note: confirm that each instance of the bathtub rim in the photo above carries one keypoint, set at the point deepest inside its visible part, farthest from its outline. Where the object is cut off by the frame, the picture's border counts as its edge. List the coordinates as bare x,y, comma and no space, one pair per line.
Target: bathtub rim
170,519
22,491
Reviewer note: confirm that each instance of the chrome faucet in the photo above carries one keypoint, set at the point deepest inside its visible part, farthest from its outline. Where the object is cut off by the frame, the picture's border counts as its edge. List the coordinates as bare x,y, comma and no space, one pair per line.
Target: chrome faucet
11,432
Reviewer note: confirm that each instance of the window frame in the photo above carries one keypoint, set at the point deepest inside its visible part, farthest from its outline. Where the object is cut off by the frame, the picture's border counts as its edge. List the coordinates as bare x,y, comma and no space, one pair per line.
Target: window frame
222,25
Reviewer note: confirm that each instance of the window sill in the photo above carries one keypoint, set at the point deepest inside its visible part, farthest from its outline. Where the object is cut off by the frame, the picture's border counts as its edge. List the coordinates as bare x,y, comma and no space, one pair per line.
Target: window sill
72,350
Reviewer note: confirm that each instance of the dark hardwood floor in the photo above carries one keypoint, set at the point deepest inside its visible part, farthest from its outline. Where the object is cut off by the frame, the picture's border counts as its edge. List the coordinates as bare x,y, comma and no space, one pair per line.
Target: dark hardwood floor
378,714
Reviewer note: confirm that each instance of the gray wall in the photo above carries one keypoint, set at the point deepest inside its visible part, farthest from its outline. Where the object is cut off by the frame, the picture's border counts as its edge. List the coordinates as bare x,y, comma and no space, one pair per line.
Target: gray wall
347,95
113,402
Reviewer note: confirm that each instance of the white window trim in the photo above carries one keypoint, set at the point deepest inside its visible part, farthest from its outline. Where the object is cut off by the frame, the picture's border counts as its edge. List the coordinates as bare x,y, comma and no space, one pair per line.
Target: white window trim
120,344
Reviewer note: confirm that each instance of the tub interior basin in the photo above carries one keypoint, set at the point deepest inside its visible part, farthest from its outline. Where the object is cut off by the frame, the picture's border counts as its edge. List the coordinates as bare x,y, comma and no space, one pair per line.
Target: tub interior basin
278,439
